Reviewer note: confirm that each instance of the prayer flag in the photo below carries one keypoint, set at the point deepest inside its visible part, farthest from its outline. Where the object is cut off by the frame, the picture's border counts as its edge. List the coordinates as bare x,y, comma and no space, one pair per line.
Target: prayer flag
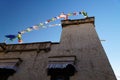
10,37
35,27
84,14
62,15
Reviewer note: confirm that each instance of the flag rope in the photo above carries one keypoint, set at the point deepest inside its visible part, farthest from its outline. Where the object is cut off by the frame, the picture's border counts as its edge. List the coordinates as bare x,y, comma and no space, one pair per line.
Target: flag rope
44,25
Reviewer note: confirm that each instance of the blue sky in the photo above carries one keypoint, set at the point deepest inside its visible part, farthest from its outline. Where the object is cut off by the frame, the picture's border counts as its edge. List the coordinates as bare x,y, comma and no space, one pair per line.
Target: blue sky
17,15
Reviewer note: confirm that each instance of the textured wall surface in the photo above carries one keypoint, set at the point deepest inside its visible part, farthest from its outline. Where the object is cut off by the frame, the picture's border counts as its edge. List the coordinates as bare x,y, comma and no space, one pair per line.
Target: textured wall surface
78,39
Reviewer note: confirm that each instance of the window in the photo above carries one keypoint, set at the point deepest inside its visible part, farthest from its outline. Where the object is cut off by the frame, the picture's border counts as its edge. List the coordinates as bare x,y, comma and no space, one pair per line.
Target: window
8,67
61,67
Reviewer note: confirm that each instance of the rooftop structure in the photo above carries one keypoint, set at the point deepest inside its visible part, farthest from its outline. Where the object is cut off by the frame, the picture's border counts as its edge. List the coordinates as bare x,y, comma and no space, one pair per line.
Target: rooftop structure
78,56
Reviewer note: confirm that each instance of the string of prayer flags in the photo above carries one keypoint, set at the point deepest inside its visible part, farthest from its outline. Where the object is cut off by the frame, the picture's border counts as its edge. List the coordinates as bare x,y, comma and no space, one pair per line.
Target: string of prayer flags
19,36
44,25
65,16
37,27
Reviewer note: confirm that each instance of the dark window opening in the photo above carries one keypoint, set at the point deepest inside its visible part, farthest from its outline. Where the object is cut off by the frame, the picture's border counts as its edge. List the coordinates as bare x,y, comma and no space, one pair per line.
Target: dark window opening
5,73
8,67
58,69
61,71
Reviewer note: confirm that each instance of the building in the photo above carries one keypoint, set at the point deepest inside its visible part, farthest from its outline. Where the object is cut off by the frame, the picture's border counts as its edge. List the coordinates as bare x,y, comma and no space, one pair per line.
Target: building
78,56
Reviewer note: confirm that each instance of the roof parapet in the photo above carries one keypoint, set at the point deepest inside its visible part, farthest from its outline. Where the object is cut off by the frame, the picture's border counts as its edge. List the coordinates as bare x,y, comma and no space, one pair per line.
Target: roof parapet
77,21
25,47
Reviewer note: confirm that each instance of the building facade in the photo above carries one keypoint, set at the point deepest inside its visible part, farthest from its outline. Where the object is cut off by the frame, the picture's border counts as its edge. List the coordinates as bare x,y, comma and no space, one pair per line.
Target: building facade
78,56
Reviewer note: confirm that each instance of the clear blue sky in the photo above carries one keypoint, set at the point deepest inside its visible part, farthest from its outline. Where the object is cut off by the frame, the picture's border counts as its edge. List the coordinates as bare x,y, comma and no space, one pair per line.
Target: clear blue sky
17,15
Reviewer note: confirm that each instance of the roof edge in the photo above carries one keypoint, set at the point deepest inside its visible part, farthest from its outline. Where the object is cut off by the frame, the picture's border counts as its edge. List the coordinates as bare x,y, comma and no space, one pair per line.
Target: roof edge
77,21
